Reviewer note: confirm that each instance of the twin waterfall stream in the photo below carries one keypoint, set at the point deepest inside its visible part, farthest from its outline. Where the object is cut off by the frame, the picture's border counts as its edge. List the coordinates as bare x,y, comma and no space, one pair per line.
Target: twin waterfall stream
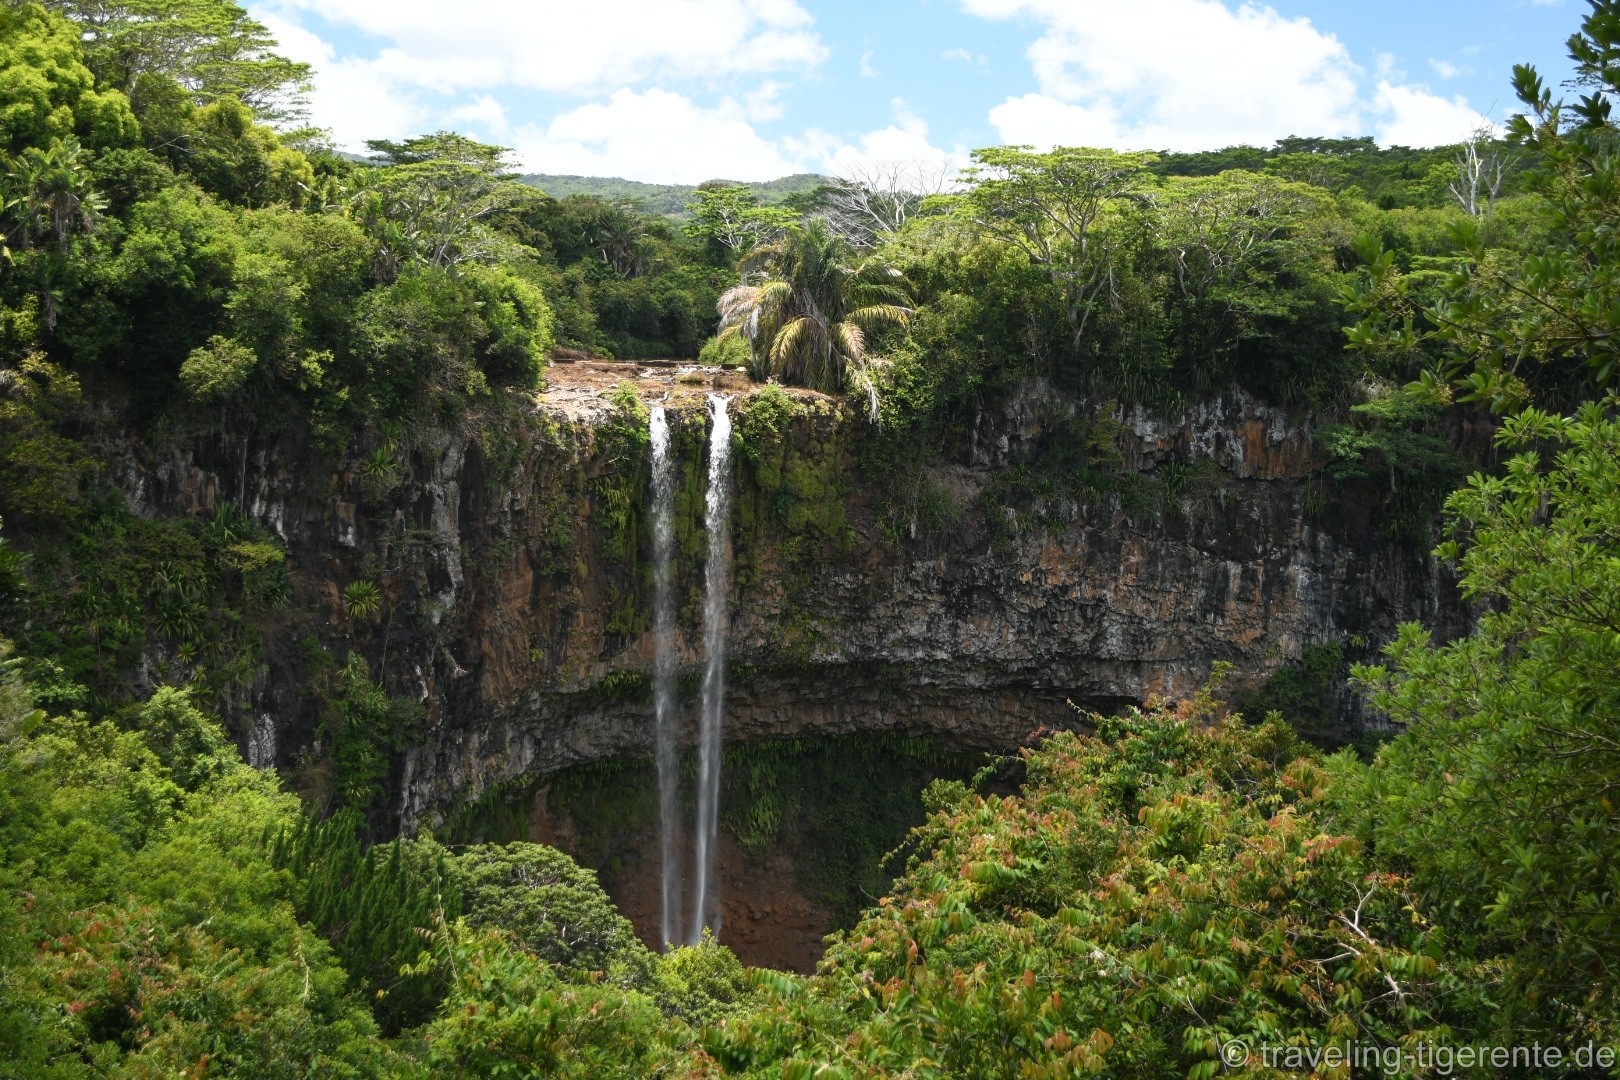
674,928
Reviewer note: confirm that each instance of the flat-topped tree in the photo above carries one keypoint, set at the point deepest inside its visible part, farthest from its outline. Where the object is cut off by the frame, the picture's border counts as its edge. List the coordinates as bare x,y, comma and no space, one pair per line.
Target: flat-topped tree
1069,210
210,49
427,203
730,217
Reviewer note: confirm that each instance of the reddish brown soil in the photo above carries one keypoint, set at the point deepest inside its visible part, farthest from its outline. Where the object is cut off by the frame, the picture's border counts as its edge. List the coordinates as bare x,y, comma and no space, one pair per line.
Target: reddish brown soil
765,917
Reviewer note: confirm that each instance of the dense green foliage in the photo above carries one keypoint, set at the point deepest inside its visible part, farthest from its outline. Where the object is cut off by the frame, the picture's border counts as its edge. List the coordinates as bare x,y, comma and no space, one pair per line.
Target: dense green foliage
1151,894
145,928
168,911
1174,881
1500,794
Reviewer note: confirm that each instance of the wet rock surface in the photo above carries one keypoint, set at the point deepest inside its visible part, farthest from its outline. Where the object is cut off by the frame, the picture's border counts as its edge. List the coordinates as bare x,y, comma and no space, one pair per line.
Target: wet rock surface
504,618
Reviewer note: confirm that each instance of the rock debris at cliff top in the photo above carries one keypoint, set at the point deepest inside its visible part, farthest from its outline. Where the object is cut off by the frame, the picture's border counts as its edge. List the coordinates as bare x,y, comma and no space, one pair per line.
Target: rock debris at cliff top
579,389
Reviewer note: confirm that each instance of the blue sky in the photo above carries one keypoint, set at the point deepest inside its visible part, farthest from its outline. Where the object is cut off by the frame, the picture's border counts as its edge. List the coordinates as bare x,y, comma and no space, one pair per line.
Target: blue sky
687,90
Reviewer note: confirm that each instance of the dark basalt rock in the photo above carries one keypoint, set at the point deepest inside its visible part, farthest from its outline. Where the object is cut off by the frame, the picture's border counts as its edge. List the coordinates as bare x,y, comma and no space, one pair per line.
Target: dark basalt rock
500,607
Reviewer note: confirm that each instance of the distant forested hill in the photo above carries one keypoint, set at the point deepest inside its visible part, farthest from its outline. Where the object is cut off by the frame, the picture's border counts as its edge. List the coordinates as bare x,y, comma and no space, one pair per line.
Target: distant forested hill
669,199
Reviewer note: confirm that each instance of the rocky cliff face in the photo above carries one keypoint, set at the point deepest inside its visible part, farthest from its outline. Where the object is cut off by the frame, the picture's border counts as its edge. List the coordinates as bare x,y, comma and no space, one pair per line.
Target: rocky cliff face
510,553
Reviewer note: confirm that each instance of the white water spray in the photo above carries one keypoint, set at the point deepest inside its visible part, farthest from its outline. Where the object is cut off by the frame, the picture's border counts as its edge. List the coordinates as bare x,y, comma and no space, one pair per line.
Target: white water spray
717,582
666,716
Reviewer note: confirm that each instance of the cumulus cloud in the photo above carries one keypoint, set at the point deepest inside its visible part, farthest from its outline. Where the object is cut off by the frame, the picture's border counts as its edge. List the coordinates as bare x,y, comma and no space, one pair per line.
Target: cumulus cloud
1412,116
655,135
684,90
1176,74
356,98
1198,74
576,47
905,140
426,64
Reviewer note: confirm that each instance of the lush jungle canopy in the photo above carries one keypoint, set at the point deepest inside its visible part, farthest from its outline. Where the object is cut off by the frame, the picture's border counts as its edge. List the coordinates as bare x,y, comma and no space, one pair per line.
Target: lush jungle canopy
1183,879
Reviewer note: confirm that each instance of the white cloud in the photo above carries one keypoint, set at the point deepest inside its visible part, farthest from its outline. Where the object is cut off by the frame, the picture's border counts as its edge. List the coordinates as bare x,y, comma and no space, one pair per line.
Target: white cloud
966,56
356,99
485,112
651,133
1039,120
1199,74
1445,68
1177,74
764,102
655,135
428,64
903,142
867,70
1415,117
576,47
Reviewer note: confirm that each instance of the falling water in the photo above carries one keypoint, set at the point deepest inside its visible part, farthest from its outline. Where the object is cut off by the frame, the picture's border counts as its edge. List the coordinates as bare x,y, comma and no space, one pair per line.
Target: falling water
664,711
717,522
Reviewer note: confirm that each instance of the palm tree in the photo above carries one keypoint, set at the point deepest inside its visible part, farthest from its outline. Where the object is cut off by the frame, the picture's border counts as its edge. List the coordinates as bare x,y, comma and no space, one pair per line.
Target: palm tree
807,313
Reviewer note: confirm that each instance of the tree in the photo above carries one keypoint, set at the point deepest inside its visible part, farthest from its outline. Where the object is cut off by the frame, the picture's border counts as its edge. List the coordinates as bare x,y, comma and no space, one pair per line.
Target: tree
1481,168
1239,247
210,48
240,161
872,201
614,232
1167,888
1500,794
1514,328
53,197
50,203
730,216
47,93
1329,171
426,204
1069,211
809,320
551,908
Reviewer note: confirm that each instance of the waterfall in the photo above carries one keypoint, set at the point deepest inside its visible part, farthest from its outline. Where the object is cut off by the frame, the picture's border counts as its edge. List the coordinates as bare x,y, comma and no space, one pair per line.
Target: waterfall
666,715
717,583
705,910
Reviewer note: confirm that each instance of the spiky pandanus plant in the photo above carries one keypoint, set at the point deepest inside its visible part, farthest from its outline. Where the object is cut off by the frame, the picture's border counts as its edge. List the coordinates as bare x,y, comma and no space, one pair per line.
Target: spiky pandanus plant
807,312
45,199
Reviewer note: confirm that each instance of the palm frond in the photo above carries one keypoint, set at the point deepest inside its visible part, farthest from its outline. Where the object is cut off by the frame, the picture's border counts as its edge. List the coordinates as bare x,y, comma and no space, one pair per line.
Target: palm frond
865,295
736,303
798,349
881,316
809,311
765,255
851,339
775,295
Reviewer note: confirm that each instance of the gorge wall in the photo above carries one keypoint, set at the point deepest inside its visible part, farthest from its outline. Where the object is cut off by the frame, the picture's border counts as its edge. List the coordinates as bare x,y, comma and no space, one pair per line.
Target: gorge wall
510,550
